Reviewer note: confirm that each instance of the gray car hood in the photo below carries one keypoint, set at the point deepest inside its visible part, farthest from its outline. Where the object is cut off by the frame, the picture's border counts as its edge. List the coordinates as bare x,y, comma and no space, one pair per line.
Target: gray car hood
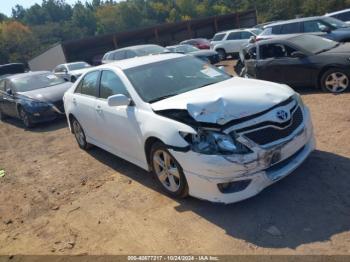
228,100
48,94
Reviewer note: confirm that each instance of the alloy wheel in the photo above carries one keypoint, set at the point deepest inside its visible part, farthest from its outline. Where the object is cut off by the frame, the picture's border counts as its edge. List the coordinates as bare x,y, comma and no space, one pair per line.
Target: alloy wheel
78,133
336,82
166,170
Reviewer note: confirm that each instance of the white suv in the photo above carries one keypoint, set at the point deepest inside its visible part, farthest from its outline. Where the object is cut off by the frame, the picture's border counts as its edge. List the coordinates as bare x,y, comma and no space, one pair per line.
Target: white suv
230,42
200,131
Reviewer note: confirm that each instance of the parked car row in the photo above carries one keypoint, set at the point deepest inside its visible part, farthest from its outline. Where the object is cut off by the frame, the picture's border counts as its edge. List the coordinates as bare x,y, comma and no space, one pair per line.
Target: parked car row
199,130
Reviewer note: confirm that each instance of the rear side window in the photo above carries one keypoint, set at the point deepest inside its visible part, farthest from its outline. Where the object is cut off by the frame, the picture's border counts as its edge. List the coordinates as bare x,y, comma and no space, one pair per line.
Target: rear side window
219,37
119,55
88,85
130,54
111,84
234,36
292,28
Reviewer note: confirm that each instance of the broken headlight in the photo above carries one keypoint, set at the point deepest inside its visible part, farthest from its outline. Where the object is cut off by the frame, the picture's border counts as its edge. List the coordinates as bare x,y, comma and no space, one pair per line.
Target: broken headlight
214,143
299,100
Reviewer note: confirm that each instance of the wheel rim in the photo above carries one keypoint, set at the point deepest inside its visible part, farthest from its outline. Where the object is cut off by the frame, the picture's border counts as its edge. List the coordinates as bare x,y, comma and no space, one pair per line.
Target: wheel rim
78,132
166,170
24,117
337,82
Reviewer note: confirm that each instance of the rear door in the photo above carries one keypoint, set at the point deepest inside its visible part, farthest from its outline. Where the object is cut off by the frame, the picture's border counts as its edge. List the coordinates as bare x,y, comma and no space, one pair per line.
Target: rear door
84,103
233,42
118,128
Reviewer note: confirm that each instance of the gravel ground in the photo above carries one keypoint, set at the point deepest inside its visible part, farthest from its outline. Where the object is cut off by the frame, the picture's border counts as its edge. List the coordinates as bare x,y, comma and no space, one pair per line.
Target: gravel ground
58,199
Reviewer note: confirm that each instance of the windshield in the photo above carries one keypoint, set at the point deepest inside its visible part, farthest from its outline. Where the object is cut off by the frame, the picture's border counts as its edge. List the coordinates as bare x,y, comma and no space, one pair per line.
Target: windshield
218,37
150,50
157,81
313,44
256,31
334,23
77,66
37,81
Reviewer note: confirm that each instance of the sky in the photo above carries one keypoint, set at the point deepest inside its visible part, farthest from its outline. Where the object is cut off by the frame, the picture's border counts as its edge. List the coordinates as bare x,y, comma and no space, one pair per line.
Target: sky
6,5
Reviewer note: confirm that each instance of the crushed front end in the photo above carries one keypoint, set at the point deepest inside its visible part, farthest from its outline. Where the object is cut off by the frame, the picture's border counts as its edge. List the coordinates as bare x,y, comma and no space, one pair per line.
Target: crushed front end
239,159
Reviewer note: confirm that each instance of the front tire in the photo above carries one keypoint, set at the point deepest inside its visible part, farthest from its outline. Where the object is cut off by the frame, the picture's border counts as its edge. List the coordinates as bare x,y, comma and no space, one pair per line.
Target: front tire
335,81
222,54
2,116
80,135
168,171
24,116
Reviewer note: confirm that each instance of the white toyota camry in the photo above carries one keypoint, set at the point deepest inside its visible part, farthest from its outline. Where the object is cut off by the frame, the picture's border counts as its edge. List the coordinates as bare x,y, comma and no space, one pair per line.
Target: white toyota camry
200,131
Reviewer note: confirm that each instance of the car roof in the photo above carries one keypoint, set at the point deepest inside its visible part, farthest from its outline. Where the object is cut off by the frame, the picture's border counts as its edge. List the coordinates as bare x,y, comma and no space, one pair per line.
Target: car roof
139,61
294,21
134,47
338,12
21,75
236,30
174,46
73,63
282,38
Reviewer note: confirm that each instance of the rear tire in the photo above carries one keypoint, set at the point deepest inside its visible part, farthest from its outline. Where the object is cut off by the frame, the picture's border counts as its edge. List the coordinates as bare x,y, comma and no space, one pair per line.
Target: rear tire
335,81
24,116
168,171
80,135
222,54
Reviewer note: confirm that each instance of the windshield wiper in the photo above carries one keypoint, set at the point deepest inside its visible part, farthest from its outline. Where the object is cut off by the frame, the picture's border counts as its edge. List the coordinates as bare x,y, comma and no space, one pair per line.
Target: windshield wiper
161,98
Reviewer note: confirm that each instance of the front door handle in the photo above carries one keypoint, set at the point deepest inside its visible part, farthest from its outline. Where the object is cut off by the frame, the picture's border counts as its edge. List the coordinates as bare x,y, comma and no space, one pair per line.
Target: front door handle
74,101
98,109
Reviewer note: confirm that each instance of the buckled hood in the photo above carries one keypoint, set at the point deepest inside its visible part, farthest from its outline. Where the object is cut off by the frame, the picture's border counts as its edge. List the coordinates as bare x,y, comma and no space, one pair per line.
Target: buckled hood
228,100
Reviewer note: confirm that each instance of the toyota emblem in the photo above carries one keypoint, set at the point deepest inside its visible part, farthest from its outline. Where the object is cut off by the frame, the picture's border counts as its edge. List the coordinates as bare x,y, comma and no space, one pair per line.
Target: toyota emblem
282,115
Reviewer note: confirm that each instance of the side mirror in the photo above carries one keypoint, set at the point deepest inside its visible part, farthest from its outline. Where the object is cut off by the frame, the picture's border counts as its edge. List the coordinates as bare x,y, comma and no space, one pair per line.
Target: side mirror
298,54
118,100
327,30
252,39
9,91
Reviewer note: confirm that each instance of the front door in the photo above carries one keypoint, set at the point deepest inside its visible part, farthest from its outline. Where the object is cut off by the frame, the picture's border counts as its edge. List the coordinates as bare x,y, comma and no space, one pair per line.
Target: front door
119,128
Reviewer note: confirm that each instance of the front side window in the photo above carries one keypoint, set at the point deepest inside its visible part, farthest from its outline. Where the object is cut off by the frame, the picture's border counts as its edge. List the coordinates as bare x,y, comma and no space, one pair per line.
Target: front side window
156,81
234,36
275,51
111,84
246,35
88,85
130,54
292,28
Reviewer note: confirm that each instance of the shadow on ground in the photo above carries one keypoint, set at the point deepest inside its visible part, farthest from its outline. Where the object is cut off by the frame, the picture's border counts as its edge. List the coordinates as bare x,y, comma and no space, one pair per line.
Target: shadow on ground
310,205
41,127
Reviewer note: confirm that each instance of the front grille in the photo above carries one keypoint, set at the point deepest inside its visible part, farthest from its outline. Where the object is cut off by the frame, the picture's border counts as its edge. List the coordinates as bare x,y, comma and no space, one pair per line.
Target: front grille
270,134
59,105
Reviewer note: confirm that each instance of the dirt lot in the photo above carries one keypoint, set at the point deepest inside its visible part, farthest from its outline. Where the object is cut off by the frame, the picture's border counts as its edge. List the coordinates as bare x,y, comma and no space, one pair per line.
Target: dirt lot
58,199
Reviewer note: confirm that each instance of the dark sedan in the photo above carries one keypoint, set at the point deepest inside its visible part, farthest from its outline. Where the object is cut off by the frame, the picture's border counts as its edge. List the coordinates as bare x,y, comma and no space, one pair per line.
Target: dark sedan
206,55
32,97
303,60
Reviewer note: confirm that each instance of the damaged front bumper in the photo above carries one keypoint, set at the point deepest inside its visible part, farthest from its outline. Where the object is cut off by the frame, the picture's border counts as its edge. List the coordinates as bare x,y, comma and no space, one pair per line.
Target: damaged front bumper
229,179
